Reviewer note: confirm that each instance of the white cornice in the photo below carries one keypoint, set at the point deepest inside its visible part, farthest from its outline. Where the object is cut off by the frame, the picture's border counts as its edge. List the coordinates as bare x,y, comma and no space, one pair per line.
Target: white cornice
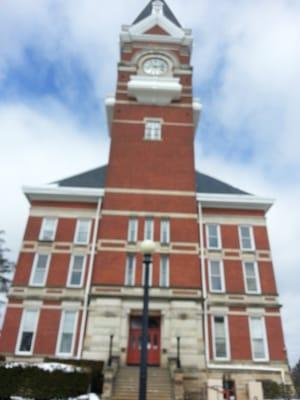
89,195
159,90
235,201
56,193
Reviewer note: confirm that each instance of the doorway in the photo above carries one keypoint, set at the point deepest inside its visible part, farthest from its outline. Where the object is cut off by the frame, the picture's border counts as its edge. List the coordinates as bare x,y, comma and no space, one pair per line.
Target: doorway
135,340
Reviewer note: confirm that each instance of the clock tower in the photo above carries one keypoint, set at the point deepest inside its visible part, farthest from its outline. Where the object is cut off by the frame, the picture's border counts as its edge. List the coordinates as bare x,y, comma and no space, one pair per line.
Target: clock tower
150,190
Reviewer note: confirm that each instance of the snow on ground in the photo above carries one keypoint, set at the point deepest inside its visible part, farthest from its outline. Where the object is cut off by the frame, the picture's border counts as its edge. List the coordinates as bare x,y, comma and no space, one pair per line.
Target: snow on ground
45,366
90,396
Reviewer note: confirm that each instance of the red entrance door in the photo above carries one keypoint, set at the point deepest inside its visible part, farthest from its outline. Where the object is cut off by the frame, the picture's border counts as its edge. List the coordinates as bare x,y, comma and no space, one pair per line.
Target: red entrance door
135,339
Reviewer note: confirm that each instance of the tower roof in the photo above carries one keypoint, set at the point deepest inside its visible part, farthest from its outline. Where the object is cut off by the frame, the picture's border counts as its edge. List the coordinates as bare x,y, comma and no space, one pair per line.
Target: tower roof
147,11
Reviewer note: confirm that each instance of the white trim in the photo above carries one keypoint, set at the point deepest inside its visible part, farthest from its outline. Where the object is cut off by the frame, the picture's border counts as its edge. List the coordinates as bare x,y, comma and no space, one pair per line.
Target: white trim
126,283
139,29
151,219
245,367
71,266
136,227
79,220
43,227
27,353
228,356
162,221
54,192
240,201
257,277
149,123
265,339
251,237
59,336
221,264
168,271
219,247
35,261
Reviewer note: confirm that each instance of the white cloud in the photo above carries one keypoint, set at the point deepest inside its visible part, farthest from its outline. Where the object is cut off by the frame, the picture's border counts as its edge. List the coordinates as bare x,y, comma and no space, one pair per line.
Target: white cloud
40,147
248,52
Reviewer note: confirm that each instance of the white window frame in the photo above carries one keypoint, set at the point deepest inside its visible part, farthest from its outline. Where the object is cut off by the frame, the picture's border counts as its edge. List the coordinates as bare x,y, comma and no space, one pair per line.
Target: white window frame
264,336
133,220
77,231
71,265
257,278
222,290
168,271
150,131
27,353
34,266
228,356
251,237
44,222
150,274
126,270
59,337
165,220
149,218
219,247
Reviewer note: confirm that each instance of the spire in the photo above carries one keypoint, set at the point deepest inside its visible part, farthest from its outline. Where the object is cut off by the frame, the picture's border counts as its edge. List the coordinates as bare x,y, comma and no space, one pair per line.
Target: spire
157,7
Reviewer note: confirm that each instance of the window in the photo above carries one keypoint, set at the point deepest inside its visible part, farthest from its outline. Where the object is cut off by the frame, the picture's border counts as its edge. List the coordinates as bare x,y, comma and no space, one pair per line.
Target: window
258,339
164,276
220,338
213,236
150,274
153,130
132,230
27,331
246,237
251,277
67,333
165,232
216,276
48,229
130,270
39,270
82,233
76,270
148,234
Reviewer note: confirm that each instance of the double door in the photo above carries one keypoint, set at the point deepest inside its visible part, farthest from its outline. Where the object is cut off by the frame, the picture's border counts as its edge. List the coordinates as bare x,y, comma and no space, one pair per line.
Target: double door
135,341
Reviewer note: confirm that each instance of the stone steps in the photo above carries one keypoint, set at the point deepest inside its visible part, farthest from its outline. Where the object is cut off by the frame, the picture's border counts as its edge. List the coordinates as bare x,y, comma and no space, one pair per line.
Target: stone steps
126,386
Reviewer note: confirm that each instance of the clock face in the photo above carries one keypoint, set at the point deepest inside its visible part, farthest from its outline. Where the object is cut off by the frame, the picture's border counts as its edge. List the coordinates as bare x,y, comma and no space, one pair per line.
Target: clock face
155,66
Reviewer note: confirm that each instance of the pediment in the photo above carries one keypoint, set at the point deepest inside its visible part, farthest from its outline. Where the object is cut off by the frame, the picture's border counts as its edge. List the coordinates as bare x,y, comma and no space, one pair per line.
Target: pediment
156,30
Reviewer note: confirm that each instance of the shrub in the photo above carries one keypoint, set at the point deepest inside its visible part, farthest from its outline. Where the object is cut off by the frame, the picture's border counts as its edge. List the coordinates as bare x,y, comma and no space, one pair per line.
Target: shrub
33,382
273,390
96,371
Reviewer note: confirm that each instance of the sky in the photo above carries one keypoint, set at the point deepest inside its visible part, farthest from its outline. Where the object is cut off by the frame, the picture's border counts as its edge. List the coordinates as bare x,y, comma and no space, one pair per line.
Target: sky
58,63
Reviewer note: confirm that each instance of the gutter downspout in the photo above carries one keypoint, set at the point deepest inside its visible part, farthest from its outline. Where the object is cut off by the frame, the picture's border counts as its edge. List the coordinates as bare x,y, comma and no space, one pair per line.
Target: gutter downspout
204,284
89,280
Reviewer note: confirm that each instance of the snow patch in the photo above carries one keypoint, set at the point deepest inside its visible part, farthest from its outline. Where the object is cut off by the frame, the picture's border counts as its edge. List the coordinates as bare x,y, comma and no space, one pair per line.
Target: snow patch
44,366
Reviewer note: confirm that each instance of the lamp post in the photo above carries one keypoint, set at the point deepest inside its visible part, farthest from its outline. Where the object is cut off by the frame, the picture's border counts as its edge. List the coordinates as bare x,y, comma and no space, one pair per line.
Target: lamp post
147,248
111,338
178,362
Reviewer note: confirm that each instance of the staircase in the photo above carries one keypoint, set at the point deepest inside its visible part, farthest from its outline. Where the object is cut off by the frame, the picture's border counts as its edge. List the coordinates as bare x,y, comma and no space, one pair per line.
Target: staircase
126,386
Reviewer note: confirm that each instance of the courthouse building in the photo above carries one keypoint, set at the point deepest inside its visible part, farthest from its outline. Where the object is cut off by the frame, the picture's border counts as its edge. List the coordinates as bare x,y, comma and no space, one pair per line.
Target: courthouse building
79,276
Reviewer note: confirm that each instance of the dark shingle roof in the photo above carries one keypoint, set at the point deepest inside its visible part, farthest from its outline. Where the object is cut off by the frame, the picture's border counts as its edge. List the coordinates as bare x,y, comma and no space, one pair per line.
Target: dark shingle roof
148,11
95,178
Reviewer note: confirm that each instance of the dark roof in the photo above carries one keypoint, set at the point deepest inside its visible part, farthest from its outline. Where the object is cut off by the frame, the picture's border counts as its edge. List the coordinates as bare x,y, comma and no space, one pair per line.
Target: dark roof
148,11
95,178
